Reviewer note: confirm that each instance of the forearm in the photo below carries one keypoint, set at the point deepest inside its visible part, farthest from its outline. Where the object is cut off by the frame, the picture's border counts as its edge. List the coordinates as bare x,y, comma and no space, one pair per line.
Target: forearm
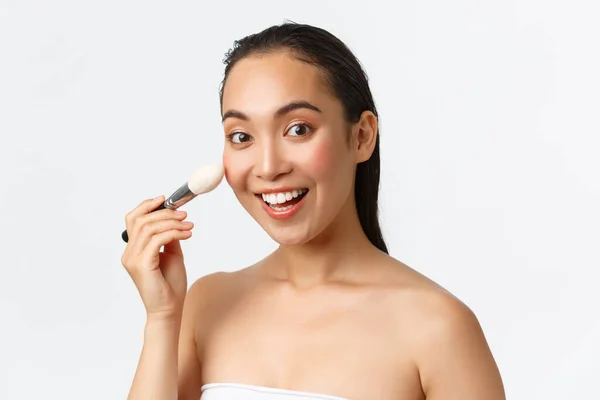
156,374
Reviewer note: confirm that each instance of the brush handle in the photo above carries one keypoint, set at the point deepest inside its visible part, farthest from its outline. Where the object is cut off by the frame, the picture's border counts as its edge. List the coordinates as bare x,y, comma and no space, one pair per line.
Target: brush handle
125,236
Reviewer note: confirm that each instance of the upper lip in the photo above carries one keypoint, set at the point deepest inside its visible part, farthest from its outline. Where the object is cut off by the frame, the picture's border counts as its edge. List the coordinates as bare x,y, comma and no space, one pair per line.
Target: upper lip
282,189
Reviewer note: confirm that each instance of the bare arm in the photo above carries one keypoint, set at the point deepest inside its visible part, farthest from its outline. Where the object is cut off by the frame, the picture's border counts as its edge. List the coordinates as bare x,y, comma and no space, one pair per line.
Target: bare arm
156,374
169,368
190,372
457,363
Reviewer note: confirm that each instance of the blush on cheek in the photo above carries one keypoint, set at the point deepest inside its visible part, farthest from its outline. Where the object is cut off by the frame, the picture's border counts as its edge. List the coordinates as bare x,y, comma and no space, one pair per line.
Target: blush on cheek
322,158
228,168
237,166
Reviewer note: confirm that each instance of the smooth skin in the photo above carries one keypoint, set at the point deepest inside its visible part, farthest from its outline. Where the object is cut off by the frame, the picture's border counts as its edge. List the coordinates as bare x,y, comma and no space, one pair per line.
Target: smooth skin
326,312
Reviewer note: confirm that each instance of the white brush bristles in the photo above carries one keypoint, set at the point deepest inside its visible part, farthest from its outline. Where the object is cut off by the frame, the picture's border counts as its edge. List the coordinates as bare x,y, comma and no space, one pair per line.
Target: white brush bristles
206,178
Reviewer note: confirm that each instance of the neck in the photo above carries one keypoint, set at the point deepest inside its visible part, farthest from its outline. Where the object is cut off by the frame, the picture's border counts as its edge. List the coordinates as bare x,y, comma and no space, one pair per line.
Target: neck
334,255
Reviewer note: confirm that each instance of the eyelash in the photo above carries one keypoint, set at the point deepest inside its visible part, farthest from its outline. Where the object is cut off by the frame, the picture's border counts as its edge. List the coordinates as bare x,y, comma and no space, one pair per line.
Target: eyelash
232,134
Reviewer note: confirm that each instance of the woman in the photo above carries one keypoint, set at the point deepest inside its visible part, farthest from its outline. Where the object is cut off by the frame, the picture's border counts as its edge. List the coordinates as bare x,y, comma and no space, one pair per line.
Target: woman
329,314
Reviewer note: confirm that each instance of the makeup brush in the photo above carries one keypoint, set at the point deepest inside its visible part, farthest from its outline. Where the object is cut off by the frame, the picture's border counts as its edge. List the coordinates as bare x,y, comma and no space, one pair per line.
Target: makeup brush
203,180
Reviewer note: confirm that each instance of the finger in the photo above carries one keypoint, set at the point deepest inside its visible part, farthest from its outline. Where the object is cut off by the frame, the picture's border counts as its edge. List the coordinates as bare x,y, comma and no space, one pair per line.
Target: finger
174,247
144,207
147,231
164,238
141,222
160,215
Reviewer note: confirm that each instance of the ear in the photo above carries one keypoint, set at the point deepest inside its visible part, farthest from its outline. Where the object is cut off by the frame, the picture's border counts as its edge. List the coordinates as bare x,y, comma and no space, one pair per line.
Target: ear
364,134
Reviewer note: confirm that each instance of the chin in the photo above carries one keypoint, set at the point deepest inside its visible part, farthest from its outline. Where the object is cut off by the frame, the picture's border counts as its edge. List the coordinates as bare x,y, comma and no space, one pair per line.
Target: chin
299,228
288,236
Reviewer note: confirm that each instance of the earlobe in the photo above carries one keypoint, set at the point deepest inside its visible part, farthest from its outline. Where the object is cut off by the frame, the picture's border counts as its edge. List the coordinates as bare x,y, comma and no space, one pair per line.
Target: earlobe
366,130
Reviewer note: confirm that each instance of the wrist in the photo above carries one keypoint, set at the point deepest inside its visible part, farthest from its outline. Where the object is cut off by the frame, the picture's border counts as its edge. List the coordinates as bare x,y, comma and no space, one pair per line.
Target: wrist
166,320
161,331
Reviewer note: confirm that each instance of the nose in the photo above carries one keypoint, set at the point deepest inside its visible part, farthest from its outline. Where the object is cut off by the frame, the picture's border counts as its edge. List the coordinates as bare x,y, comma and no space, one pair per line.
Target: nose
271,161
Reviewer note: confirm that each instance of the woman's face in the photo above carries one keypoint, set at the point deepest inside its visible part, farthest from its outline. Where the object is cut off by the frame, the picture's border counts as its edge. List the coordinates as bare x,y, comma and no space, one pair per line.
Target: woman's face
286,154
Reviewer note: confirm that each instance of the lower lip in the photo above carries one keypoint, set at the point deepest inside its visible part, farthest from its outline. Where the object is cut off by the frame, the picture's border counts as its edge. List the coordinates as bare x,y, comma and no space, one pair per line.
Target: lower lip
283,214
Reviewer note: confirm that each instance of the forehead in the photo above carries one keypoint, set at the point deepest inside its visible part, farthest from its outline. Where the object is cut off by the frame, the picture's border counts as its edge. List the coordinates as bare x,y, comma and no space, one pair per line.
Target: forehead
265,82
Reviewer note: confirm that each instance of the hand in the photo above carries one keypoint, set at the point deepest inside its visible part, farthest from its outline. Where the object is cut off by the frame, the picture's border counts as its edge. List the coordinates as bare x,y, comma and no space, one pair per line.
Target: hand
160,277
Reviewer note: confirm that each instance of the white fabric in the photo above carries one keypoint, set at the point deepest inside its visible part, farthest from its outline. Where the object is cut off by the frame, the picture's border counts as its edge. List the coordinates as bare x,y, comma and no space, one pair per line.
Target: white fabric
237,391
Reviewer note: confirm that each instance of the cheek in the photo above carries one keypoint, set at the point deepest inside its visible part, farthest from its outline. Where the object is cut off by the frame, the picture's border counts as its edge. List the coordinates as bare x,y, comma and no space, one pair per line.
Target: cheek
233,171
326,161
321,158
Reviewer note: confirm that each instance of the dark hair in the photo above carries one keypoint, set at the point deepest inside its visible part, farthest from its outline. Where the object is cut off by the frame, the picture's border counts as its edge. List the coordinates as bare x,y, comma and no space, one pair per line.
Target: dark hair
348,82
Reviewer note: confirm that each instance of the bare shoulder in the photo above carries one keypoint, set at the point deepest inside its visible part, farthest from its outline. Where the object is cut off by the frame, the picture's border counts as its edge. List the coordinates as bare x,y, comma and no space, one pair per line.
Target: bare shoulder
204,302
445,337
212,284
424,301
212,292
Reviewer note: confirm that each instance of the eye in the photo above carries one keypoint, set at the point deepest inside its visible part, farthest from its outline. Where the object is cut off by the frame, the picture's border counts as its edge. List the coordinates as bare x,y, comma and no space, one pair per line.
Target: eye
299,129
238,137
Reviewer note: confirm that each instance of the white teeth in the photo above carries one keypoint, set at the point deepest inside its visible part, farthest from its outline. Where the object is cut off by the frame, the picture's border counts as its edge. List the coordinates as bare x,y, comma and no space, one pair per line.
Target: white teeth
279,198
281,208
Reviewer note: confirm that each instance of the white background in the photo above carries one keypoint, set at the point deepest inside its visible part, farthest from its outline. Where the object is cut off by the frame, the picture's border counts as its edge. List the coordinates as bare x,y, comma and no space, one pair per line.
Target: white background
490,141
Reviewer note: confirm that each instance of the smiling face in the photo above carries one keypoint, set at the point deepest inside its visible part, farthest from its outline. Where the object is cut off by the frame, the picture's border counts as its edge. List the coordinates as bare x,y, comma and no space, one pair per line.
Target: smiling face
286,156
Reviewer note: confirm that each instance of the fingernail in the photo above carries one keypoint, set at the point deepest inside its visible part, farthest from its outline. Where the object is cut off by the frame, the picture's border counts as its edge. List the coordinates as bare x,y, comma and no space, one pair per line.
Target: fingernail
158,197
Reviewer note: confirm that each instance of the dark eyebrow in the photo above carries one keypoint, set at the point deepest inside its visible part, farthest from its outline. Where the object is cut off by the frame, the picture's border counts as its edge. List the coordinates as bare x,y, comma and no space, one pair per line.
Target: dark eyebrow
295,105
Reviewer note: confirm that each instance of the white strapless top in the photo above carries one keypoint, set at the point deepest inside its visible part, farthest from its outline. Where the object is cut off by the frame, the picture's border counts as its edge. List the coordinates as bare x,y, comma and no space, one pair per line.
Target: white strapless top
238,391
